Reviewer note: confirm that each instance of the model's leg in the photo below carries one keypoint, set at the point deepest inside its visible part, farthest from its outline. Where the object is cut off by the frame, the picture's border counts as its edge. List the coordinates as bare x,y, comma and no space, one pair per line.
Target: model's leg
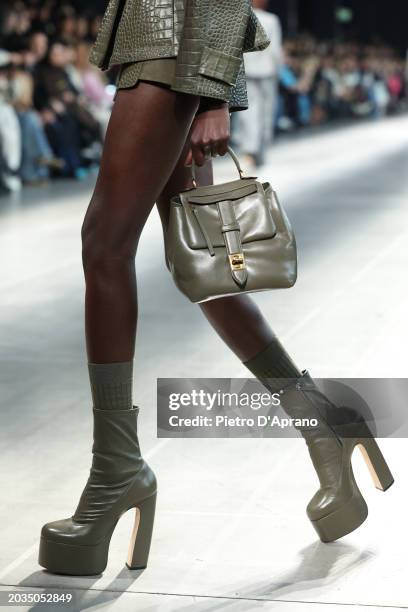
146,133
148,128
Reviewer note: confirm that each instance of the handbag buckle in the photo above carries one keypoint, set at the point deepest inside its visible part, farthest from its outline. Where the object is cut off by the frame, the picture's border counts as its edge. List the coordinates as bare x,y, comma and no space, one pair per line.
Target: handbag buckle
237,261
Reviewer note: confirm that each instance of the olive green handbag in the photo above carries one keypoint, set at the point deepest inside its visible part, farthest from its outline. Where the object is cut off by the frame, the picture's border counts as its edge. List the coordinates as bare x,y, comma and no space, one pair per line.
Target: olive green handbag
229,238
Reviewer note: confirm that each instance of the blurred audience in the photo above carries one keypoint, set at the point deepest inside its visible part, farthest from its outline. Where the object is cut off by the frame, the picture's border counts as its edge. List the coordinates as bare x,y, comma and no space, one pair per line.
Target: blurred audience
55,106
324,81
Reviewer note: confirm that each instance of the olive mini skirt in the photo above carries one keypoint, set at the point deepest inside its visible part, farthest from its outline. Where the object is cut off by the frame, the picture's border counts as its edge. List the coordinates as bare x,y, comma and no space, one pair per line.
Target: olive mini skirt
160,70
163,70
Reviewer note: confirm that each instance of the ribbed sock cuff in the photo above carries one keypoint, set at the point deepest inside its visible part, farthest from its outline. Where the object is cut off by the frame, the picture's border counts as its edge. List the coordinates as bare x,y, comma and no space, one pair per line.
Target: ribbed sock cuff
273,364
111,385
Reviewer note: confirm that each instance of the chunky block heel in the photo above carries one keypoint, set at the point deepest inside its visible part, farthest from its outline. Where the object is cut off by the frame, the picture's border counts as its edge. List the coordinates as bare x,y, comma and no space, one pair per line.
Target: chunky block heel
141,537
379,470
353,512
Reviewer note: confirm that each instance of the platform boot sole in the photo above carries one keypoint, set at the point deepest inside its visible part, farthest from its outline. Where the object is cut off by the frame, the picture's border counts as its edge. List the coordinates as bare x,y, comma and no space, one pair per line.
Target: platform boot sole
88,560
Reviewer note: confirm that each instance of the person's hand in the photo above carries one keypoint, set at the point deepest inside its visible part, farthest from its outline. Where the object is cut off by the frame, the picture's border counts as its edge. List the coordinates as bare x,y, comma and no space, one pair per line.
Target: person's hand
210,134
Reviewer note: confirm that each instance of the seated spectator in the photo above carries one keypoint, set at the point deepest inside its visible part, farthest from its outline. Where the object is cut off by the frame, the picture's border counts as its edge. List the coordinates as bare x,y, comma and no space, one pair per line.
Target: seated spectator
327,80
82,29
37,155
37,46
93,85
69,125
67,31
296,79
15,27
10,142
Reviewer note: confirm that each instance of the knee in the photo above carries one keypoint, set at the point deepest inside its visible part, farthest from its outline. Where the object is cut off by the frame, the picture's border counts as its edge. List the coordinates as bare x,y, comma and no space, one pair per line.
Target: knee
91,249
105,247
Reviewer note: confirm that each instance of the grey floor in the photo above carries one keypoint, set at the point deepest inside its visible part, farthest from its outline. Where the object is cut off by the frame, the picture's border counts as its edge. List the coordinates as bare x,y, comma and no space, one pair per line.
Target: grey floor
231,531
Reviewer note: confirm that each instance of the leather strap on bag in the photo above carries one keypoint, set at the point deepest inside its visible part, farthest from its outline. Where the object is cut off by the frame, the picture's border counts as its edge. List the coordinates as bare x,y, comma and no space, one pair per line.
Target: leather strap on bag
230,230
232,236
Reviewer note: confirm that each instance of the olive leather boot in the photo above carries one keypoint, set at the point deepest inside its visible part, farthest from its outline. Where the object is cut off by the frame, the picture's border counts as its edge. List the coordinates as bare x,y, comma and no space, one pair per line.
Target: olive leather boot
337,507
119,480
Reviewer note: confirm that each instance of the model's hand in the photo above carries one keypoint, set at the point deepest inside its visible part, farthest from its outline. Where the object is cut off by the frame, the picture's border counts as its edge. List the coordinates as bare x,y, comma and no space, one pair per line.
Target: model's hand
210,134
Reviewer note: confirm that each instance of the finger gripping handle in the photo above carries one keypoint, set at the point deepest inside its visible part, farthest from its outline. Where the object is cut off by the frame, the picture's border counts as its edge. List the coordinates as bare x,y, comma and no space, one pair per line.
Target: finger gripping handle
234,158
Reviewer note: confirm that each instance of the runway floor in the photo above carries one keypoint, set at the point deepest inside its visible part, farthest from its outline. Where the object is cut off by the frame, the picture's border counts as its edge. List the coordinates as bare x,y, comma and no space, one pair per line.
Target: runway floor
231,531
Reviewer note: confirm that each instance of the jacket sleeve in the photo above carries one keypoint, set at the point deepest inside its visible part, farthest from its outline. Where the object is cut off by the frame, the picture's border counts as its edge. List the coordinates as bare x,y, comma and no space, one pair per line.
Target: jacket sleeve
256,39
239,97
210,62
233,30
222,55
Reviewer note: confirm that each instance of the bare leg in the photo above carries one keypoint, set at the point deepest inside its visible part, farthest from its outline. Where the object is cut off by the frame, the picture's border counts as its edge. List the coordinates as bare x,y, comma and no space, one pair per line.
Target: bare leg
146,133
237,319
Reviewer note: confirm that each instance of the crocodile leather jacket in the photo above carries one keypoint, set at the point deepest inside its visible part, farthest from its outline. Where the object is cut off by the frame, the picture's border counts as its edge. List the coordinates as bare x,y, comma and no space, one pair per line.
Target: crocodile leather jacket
208,37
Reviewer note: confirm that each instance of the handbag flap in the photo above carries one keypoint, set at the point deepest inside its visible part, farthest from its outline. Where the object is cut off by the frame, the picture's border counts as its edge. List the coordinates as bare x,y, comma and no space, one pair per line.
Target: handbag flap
225,191
252,212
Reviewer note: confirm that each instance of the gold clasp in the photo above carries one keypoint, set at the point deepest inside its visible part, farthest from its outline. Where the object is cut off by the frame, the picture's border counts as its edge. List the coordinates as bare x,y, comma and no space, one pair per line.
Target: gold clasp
237,261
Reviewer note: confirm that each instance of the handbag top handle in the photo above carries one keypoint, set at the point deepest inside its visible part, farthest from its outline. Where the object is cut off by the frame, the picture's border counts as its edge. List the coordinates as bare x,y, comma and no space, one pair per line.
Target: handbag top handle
236,162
